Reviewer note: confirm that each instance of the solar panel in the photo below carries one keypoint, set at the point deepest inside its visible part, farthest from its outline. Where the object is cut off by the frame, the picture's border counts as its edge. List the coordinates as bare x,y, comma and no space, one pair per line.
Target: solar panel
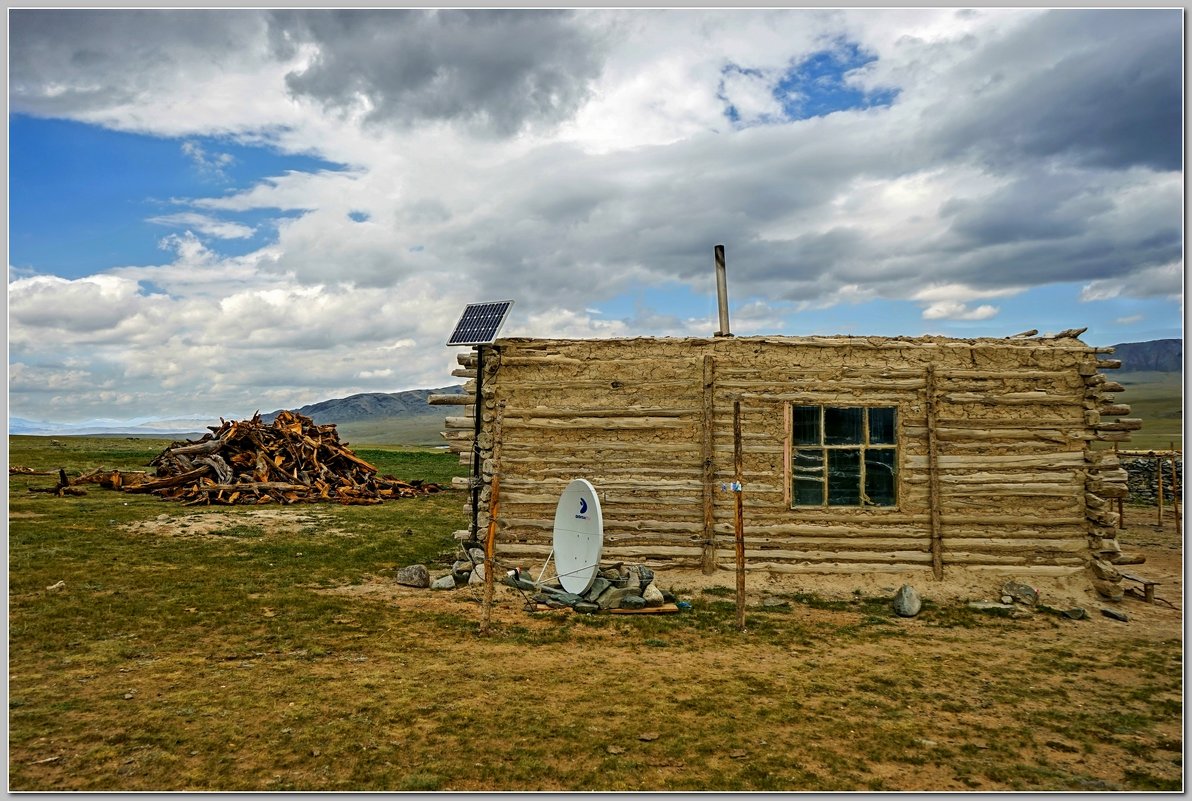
479,323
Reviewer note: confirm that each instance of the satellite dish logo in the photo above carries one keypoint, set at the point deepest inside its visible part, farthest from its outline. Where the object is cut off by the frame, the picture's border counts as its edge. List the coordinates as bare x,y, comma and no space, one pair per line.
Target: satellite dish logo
583,510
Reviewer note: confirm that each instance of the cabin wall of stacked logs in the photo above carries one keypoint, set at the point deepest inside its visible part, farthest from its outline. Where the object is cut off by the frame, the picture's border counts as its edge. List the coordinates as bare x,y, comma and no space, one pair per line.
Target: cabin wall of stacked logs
1019,487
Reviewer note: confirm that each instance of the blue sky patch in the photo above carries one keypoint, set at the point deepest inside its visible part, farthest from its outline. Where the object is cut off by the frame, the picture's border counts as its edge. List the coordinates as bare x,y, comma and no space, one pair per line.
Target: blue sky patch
817,85
85,199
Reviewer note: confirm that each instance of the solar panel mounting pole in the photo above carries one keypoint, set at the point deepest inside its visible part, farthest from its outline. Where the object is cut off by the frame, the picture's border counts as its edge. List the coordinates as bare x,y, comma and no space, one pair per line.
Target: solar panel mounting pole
477,416
478,326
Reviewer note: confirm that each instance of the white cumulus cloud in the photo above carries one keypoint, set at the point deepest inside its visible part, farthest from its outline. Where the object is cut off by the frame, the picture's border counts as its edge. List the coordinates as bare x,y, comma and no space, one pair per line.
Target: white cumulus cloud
951,310
204,224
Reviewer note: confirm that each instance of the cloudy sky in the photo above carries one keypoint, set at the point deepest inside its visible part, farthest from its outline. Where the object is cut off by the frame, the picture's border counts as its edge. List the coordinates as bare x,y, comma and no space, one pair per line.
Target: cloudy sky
219,211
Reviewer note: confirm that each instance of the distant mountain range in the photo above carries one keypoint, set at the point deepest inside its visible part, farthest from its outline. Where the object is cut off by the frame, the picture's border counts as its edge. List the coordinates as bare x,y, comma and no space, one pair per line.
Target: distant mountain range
1158,355
407,418
379,417
372,405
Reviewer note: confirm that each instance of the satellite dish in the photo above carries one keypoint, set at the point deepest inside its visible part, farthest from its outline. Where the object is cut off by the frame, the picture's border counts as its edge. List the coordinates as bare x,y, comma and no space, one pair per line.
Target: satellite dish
579,536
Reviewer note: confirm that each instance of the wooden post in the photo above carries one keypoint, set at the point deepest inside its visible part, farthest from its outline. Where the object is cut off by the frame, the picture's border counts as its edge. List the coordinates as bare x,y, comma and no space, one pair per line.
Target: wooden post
1159,481
709,469
786,454
1175,490
933,479
489,562
739,523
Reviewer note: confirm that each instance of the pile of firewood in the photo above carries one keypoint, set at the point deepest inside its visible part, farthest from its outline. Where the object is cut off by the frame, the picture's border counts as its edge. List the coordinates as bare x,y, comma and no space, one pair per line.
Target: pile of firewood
290,461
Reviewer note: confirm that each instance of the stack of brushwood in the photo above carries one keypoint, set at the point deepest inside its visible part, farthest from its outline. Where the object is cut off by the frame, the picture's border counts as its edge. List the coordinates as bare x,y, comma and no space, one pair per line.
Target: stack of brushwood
290,461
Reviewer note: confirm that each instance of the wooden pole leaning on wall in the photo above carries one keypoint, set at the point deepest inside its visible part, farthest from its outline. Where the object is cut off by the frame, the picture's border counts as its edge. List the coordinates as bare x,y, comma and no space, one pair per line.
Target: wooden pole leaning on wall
490,541
933,478
709,468
1175,490
739,518
787,449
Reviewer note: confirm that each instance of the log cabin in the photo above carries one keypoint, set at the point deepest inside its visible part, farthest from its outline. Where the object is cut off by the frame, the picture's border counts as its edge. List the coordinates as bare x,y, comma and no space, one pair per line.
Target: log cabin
853,454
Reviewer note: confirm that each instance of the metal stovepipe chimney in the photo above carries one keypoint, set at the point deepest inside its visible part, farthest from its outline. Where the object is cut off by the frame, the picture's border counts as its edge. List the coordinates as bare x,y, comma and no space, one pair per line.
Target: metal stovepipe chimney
721,291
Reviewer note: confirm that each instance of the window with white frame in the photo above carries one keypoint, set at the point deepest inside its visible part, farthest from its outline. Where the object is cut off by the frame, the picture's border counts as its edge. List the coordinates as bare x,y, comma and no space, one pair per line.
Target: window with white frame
844,456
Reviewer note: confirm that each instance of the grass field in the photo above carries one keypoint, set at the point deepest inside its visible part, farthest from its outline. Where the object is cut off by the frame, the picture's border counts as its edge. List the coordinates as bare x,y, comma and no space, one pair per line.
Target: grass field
1157,399
158,647
421,430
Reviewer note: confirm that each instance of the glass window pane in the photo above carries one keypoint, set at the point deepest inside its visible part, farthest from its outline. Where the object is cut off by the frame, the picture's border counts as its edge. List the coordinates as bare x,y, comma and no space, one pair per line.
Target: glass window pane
881,427
879,476
843,426
806,430
809,477
844,478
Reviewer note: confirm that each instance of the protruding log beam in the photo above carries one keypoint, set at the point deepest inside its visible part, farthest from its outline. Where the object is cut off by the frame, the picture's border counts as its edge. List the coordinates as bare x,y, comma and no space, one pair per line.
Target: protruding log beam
449,400
1123,424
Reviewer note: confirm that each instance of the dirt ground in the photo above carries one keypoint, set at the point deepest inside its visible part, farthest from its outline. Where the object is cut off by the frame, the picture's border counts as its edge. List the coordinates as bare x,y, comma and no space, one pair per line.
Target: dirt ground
211,524
1160,546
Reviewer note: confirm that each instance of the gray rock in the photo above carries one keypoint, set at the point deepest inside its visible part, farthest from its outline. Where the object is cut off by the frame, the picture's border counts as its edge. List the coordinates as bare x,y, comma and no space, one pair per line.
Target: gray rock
611,572
612,597
633,602
645,575
446,582
669,597
1115,614
772,602
568,598
599,585
1021,593
477,555
653,596
413,576
1006,599
586,607
461,566
907,602
628,580
989,606
1075,613
477,574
